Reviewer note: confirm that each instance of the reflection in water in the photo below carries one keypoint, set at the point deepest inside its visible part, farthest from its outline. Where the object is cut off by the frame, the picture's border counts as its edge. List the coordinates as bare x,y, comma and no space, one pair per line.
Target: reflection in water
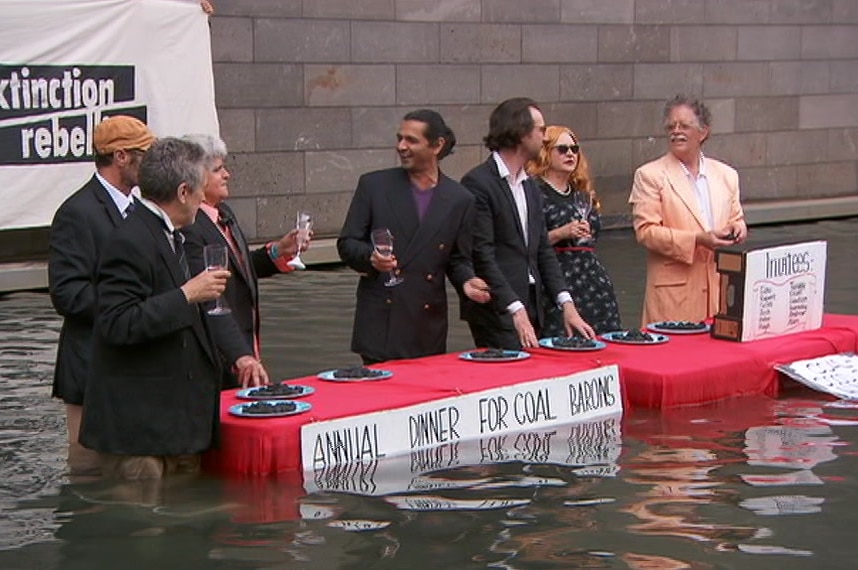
683,481
731,485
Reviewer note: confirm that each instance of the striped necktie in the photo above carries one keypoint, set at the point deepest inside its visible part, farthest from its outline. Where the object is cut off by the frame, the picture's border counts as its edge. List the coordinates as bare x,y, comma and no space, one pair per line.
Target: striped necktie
179,249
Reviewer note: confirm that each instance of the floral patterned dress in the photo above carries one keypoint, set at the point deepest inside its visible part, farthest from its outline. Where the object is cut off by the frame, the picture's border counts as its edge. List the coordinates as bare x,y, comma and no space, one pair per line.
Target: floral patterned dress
587,279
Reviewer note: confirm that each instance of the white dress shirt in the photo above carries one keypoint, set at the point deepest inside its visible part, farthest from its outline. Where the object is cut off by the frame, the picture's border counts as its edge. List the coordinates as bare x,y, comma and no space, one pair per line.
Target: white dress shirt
701,189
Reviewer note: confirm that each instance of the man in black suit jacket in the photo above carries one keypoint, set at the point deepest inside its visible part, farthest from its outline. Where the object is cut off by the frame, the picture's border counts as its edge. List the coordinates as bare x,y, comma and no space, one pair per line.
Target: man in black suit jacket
81,227
430,217
152,400
236,334
511,249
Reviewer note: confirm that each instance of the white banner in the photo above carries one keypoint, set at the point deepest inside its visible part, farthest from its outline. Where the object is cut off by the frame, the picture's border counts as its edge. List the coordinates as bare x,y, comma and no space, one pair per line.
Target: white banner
67,64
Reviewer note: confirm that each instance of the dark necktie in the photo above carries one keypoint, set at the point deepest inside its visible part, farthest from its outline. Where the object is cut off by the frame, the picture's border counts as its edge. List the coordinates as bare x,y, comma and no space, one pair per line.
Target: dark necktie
179,248
129,209
223,218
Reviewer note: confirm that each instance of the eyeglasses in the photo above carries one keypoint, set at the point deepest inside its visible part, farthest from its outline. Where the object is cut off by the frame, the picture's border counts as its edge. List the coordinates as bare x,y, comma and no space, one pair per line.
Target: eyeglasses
679,125
565,148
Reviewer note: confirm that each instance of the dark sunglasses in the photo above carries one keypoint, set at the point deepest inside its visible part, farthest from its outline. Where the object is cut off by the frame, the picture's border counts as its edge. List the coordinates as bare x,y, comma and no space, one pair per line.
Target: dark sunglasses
564,148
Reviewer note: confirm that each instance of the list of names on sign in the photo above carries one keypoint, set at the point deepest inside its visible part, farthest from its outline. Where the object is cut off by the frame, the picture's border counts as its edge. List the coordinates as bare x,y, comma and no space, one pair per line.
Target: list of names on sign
771,291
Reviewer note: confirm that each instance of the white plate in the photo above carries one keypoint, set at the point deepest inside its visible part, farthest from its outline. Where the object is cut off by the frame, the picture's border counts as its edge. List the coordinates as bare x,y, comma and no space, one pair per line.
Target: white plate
239,409
509,356
549,343
329,376
657,338
656,327
248,393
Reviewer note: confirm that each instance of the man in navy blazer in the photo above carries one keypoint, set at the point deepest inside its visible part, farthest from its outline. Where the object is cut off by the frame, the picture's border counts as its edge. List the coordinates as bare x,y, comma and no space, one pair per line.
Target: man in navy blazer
81,227
153,391
236,334
511,249
430,217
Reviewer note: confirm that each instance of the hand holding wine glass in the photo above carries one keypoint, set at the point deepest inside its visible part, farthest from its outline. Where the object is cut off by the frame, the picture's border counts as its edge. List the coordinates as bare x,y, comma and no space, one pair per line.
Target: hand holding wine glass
216,258
583,203
382,241
303,223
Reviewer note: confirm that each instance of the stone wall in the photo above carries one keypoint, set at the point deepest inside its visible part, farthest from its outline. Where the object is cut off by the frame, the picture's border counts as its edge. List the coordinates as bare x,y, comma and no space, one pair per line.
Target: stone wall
310,93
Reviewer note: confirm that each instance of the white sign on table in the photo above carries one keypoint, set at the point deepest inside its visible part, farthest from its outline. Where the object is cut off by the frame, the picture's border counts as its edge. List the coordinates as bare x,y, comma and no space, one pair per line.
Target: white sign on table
529,405
590,448
771,291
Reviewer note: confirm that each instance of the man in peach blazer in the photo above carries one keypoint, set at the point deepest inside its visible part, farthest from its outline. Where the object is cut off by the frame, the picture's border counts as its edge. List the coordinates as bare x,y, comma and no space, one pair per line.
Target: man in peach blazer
684,206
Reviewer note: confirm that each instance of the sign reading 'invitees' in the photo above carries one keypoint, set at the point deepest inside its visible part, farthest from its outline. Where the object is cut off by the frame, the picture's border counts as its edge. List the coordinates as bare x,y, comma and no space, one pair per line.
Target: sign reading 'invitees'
530,405
770,291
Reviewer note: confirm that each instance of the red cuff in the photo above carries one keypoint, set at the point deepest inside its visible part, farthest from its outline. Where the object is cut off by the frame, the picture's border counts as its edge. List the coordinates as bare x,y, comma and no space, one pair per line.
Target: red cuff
280,262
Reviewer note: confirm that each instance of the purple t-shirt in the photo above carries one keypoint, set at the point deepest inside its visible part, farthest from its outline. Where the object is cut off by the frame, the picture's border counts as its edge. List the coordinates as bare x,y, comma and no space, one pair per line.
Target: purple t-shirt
422,199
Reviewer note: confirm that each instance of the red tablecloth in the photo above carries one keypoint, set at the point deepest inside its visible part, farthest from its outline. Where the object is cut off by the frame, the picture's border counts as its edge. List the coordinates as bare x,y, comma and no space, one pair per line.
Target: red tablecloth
272,445
687,370
696,369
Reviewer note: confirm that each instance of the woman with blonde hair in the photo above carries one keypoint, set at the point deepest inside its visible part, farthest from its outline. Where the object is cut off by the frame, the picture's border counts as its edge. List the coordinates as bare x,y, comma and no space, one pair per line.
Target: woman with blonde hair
573,222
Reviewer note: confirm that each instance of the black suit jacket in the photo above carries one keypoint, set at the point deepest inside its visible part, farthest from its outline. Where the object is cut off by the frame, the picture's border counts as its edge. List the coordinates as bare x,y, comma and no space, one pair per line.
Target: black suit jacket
234,333
501,255
81,227
154,384
410,319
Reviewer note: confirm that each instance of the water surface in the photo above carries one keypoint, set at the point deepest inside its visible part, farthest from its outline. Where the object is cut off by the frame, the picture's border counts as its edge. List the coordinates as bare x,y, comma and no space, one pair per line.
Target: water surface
748,483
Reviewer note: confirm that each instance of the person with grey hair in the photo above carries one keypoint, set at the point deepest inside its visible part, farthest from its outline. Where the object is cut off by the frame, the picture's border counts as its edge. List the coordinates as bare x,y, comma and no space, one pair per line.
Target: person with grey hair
236,334
153,393
684,206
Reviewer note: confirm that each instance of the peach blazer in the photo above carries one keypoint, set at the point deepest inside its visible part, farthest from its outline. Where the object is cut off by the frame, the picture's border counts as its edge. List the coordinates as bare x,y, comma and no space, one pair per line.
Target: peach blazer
681,281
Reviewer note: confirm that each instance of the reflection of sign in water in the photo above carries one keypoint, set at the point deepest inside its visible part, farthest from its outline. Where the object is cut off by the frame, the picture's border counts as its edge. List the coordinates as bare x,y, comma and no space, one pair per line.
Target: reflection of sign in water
784,505
434,503
790,447
531,405
789,479
594,447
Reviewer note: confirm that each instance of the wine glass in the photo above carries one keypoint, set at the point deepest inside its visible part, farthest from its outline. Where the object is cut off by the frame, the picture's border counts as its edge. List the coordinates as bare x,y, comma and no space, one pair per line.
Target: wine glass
216,258
583,204
303,223
382,241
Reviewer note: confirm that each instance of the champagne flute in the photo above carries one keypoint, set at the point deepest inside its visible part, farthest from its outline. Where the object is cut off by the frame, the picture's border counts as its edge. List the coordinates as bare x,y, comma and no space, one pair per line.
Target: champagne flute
216,258
382,241
303,223
583,203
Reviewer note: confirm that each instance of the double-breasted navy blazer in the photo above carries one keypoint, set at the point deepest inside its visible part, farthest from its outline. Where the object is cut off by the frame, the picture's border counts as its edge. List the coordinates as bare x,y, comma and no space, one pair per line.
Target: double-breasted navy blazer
410,319
154,383
502,257
81,227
